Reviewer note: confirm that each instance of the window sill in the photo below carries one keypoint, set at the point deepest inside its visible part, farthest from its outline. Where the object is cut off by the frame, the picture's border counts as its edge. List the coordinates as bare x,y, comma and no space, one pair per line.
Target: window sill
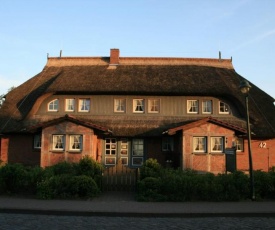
74,151
217,153
57,151
199,153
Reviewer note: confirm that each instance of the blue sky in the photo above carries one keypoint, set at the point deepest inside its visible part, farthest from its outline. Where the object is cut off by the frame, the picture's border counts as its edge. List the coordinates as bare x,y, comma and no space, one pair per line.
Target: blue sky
241,29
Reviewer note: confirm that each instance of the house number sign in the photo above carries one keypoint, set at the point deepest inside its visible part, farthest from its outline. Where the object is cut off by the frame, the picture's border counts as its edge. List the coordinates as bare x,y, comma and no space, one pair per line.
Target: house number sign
262,145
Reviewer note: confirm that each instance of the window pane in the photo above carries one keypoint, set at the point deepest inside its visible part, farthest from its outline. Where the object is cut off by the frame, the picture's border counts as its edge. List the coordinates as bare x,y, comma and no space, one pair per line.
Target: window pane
70,104
110,146
199,144
153,105
138,105
120,105
224,108
53,105
207,106
37,141
217,144
75,142
58,142
138,147
84,105
192,106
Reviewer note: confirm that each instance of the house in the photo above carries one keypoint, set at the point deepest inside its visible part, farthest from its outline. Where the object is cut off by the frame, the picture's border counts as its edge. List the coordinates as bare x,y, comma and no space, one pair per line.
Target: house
185,112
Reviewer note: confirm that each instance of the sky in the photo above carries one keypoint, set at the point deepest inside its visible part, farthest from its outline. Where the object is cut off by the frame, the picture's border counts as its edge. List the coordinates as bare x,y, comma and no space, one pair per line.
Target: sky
242,29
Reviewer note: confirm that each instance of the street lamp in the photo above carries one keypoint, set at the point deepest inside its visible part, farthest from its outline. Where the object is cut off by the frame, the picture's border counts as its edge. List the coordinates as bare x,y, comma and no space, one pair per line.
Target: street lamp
245,87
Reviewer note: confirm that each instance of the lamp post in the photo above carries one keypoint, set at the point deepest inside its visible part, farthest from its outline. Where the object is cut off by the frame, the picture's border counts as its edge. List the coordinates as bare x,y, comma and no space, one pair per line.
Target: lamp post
245,87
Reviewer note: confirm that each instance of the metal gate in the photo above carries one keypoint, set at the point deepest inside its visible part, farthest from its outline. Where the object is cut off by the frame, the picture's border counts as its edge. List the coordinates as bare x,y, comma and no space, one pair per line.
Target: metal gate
119,178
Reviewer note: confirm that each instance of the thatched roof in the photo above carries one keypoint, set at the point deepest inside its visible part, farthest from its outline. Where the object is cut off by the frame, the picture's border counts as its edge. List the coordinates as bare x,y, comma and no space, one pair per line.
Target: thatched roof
138,76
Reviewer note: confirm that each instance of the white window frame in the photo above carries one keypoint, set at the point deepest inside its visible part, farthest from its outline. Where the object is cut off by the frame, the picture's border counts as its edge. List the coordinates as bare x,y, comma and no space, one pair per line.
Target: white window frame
193,106
124,147
70,104
153,105
217,144
110,146
58,142
53,105
75,142
37,141
120,105
138,105
84,104
137,147
239,144
167,144
200,144
207,106
224,108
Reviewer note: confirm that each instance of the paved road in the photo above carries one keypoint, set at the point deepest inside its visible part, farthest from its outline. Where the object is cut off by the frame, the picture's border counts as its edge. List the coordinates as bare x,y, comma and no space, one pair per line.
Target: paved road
51,222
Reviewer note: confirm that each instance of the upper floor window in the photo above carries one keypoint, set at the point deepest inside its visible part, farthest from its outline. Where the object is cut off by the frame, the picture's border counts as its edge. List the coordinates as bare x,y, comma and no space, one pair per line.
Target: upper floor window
53,105
199,144
192,106
138,105
207,107
153,105
75,142
217,144
70,104
84,105
224,108
58,142
120,105
37,141
167,144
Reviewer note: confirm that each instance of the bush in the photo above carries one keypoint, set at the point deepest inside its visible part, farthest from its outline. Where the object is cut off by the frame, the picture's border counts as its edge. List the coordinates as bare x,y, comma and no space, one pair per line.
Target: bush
151,168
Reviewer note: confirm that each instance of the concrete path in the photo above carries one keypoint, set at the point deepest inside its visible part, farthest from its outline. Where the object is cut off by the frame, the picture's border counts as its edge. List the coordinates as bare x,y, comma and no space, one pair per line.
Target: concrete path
123,204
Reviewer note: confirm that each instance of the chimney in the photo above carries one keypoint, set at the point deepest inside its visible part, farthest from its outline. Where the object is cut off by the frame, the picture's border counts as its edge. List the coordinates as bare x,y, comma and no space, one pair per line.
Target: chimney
114,56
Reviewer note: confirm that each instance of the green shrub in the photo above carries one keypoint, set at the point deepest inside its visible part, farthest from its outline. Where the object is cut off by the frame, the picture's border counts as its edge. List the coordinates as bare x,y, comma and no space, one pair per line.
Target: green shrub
149,190
264,185
150,168
89,167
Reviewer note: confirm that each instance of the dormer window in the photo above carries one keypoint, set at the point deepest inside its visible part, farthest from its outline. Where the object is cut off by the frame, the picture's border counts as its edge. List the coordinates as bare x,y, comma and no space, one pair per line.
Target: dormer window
53,105
192,106
207,107
153,106
84,105
224,108
70,105
138,105
120,105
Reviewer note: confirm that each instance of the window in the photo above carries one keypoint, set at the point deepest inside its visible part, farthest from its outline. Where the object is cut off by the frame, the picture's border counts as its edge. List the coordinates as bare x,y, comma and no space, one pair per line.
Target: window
124,147
69,105
224,108
216,144
110,146
199,144
138,105
167,144
207,107
239,145
138,147
37,141
53,105
58,142
84,105
75,142
192,106
153,105
120,105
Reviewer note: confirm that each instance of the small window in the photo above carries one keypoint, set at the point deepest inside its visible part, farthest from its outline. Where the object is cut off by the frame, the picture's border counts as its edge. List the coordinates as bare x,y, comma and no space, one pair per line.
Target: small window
239,143
153,105
138,105
75,142
53,105
224,108
216,144
192,106
138,147
58,142
120,105
199,144
167,144
137,161
207,107
110,146
37,141
70,105
84,105
124,147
